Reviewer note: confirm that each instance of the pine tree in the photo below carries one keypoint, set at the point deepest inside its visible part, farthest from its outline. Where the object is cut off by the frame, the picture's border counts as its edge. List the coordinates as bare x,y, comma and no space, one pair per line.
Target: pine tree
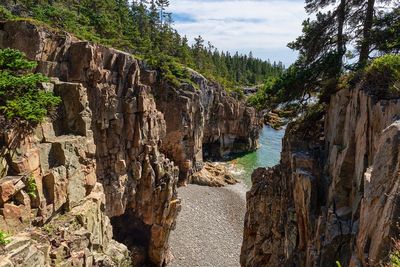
163,4
198,52
385,35
366,37
143,27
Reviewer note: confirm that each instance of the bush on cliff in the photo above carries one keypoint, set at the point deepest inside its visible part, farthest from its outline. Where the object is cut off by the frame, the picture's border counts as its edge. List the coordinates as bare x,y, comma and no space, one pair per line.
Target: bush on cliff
291,86
382,76
21,98
4,238
5,14
394,255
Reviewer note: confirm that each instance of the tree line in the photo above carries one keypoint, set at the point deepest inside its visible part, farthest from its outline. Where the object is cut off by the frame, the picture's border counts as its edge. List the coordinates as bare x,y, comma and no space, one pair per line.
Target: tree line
145,28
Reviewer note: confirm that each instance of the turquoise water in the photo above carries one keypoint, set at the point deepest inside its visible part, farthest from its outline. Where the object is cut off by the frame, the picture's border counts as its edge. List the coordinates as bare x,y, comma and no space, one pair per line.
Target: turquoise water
267,155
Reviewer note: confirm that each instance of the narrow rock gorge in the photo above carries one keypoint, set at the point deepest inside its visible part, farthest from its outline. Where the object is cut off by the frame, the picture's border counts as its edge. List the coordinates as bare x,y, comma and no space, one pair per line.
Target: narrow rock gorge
106,168
204,123
334,196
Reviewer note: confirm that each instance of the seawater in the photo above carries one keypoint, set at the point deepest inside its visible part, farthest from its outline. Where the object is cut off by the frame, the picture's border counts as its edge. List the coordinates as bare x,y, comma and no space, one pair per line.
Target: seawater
267,155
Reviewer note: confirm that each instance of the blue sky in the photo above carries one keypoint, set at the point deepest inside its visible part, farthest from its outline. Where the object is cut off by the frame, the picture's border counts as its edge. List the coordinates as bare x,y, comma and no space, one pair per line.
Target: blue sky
261,26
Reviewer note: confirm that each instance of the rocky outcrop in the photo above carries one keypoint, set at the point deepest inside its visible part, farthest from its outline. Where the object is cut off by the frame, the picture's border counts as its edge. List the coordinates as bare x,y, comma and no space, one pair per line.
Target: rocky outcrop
106,138
335,194
213,174
203,121
81,237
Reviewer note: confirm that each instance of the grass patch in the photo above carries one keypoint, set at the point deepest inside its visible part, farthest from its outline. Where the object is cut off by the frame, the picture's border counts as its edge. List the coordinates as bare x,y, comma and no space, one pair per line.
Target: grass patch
4,238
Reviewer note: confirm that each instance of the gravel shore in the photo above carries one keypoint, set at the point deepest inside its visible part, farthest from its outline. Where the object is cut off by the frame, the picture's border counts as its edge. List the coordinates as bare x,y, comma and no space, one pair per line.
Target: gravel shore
209,228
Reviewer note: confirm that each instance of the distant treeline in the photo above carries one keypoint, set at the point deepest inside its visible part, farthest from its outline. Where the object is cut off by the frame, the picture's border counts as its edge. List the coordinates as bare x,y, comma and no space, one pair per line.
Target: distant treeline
145,29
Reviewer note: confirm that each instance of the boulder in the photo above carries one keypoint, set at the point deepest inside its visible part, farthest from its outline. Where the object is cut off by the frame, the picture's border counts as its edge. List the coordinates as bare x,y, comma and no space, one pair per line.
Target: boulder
9,186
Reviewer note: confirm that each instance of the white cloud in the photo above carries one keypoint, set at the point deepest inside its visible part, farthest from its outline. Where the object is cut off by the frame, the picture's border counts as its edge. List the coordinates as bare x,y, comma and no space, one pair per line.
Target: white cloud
264,27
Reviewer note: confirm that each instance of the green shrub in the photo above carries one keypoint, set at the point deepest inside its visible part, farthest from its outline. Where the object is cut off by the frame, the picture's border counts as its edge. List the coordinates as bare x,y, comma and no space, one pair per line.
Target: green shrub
236,92
382,76
172,71
30,186
390,62
265,95
314,112
20,95
12,59
62,18
5,14
4,239
394,257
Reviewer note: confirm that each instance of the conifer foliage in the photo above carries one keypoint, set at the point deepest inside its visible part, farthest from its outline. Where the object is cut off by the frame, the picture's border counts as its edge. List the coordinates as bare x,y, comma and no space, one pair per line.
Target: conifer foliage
344,36
21,99
145,28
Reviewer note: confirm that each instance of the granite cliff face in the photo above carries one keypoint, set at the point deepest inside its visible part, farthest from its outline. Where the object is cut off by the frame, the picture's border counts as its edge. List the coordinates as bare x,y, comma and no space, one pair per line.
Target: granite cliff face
203,123
105,192
335,194
106,137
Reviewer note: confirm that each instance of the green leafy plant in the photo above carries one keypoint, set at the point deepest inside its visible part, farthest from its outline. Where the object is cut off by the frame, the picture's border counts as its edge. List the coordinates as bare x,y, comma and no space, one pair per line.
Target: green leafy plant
5,14
235,91
265,95
14,60
20,95
382,76
395,259
31,186
4,238
395,254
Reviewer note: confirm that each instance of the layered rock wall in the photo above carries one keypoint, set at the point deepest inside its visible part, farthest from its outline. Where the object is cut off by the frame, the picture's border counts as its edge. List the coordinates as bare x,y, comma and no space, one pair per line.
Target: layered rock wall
334,196
106,135
203,122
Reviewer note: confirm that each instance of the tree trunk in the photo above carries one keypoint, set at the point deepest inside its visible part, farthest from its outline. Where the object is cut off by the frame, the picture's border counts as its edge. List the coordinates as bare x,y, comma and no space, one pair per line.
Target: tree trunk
341,46
366,42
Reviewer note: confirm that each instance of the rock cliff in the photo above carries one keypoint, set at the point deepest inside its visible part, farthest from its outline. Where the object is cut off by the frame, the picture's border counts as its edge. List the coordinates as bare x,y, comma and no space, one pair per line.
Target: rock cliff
95,185
105,139
203,122
335,194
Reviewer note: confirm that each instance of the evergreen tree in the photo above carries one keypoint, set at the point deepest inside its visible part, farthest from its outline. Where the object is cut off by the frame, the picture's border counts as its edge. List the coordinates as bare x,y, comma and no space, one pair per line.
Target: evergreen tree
366,37
385,35
163,4
143,27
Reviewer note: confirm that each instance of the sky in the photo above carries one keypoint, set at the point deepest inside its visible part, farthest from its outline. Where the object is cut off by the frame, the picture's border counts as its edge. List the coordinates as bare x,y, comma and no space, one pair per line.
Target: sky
261,26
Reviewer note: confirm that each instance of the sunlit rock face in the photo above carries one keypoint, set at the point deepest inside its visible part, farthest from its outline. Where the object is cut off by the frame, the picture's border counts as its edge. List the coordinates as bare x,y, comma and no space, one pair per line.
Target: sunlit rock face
334,196
203,122
105,141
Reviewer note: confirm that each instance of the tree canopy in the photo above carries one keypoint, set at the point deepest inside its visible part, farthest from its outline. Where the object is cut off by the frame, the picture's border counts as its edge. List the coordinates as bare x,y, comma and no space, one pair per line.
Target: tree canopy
145,28
341,36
